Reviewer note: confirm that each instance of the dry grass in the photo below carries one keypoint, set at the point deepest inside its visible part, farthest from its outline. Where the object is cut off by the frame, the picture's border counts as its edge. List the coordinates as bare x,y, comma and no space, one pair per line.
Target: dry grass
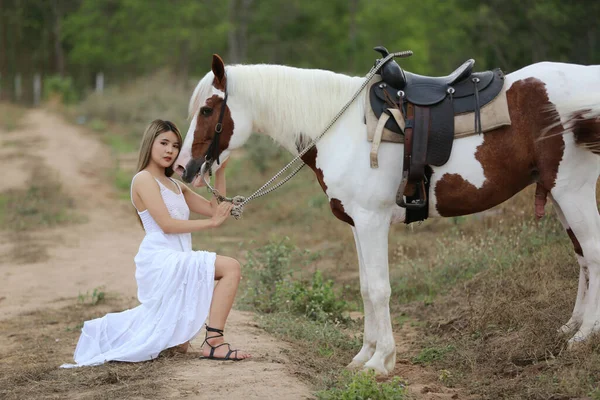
489,304
10,116
38,343
42,204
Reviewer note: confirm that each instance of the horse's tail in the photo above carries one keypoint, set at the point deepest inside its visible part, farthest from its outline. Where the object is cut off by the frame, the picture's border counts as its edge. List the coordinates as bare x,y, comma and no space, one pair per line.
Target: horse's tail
581,116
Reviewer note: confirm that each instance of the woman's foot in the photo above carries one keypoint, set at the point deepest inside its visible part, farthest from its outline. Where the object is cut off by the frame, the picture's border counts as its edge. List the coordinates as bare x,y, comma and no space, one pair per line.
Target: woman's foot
217,348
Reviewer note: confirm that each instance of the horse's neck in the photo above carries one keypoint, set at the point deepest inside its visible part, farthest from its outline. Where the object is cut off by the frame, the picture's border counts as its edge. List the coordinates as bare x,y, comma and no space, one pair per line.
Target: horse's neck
292,105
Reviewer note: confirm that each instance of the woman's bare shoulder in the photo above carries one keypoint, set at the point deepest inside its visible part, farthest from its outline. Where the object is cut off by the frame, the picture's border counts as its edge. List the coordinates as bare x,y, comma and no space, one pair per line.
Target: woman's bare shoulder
143,179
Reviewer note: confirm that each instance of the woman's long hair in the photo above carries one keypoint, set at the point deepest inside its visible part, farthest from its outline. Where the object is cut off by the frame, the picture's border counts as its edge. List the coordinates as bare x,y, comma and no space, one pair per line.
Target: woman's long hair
155,128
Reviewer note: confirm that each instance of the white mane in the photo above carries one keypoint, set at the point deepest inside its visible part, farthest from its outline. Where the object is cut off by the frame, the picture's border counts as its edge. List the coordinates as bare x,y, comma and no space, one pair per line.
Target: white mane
286,103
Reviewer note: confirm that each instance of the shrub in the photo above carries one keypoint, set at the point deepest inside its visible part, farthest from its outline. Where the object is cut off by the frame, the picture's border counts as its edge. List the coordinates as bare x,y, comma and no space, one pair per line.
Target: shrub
60,87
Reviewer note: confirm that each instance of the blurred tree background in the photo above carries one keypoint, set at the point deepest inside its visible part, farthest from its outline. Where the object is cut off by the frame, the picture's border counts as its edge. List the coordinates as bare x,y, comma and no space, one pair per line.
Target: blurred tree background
126,39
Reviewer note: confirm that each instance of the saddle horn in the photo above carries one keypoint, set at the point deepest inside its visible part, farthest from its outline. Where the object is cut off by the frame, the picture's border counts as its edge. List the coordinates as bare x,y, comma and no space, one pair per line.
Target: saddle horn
390,72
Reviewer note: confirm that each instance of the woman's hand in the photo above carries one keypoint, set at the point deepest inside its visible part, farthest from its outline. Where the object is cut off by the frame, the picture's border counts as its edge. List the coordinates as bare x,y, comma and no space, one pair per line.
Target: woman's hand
222,212
221,170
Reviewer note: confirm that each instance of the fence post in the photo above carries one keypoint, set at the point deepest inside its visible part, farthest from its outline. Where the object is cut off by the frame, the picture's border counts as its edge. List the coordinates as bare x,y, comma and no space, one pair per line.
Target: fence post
100,83
37,89
18,89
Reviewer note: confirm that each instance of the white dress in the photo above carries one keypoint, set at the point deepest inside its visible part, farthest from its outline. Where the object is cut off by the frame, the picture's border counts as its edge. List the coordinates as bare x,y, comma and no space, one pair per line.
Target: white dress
175,287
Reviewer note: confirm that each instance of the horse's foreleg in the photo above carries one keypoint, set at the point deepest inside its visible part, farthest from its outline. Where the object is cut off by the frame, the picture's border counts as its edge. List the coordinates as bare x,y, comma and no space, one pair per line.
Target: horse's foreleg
370,328
574,322
372,230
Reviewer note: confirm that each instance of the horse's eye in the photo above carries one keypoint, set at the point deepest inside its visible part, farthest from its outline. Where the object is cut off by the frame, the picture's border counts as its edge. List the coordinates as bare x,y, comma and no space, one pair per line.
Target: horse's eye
206,111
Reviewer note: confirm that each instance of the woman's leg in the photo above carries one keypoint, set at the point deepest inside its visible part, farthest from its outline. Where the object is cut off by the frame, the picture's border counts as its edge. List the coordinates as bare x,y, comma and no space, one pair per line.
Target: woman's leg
227,273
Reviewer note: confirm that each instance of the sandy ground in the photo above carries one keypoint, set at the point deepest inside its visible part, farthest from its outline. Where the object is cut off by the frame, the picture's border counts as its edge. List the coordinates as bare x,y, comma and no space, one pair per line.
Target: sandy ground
99,253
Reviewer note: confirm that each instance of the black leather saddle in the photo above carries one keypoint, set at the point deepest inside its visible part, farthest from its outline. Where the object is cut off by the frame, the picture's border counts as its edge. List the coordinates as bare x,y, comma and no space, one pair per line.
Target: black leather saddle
428,105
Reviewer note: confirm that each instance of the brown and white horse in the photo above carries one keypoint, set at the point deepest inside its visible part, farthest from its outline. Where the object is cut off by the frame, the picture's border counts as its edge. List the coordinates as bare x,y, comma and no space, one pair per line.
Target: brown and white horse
557,101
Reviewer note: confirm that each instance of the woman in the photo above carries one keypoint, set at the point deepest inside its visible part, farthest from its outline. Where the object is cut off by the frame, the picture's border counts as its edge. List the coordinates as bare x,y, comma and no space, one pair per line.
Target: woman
175,283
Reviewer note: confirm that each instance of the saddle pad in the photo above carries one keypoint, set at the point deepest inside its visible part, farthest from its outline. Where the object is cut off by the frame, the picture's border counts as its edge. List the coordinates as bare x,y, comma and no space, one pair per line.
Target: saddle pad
493,115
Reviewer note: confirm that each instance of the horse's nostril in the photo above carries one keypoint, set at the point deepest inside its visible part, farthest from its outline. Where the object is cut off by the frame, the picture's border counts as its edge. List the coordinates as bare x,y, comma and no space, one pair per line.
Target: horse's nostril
180,170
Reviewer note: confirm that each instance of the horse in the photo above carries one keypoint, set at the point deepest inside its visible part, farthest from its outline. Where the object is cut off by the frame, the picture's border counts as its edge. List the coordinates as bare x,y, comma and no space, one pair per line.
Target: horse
552,142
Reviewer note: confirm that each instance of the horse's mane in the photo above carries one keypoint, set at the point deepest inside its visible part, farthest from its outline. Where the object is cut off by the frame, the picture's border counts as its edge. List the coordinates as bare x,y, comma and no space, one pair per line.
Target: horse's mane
292,103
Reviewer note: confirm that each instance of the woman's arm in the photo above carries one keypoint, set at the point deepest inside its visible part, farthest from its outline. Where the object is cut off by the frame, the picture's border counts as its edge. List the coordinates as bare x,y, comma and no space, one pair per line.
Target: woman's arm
146,188
197,203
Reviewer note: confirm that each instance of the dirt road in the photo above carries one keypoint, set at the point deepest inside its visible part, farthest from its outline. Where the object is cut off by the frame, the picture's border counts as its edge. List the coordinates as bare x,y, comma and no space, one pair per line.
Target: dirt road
56,265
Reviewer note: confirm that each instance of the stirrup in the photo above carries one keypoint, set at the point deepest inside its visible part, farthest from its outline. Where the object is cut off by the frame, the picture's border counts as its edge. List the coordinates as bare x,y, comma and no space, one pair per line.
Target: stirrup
219,333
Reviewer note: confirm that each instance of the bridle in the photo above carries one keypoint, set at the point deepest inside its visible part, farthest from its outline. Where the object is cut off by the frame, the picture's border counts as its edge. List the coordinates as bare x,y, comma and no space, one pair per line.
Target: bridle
212,153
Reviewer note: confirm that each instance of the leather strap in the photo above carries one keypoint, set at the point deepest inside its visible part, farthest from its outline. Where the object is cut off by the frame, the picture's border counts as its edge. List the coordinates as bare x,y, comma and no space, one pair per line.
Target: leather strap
418,148
377,140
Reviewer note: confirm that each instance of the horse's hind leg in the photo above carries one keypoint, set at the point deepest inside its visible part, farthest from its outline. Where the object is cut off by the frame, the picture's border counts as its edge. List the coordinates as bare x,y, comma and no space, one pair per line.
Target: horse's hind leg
370,324
577,317
575,193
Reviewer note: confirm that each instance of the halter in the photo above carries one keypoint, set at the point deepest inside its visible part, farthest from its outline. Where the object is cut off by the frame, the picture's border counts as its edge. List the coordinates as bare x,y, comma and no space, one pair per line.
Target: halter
212,153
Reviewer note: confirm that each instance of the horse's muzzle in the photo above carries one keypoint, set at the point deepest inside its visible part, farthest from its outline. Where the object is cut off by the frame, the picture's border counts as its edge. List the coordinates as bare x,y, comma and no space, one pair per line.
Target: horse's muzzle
192,169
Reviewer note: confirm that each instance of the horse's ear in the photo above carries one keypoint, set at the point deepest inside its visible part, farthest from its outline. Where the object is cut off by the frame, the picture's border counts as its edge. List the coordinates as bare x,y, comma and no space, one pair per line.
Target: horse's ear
218,68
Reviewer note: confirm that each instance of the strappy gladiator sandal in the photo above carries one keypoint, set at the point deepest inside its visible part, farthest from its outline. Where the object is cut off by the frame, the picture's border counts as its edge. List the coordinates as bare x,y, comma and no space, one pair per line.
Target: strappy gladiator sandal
219,333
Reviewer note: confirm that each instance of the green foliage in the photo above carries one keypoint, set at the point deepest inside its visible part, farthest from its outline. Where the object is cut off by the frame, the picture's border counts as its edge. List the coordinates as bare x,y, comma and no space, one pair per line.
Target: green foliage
271,287
62,88
316,300
338,35
92,299
430,354
364,386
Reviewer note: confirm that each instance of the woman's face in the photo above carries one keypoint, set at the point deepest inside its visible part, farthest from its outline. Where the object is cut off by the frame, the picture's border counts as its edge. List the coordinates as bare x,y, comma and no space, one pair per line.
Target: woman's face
165,149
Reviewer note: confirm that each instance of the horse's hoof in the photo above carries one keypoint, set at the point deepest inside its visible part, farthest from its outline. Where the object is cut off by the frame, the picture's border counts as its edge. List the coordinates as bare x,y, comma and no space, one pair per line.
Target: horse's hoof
566,329
569,328
378,368
576,340
355,365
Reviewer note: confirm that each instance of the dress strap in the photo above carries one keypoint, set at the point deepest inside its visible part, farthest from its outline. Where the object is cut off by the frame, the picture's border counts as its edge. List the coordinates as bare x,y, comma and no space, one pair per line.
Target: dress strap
177,184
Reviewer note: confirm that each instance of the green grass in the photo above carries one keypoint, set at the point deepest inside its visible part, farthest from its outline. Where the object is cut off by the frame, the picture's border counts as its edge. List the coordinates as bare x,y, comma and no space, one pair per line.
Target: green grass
365,386
431,354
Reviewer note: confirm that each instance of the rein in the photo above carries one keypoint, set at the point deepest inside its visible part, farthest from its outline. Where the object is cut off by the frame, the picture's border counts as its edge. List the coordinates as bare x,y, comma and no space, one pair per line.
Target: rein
239,201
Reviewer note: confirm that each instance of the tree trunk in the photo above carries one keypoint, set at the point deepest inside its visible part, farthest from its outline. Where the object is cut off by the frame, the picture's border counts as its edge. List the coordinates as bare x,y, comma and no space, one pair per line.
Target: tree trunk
59,54
239,16
352,31
4,79
232,56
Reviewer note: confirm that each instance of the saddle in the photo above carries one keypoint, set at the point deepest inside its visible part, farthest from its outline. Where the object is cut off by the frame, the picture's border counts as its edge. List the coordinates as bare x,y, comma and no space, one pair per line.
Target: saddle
422,109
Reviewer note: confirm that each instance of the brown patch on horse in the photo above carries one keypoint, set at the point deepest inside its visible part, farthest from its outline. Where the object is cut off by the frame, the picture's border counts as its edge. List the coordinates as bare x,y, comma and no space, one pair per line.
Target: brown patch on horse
205,128
337,208
512,157
576,245
587,132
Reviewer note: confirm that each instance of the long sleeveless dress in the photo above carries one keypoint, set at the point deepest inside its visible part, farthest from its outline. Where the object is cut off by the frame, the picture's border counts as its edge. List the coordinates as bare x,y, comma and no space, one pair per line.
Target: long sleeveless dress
175,287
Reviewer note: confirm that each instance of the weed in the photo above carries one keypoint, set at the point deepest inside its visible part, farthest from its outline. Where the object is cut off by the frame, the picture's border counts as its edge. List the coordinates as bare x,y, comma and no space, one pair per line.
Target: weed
363,385
92,299
271,287
430,354
316,300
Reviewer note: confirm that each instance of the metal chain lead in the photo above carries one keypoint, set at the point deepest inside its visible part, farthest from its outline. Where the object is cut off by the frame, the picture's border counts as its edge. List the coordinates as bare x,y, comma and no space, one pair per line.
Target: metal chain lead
239,201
